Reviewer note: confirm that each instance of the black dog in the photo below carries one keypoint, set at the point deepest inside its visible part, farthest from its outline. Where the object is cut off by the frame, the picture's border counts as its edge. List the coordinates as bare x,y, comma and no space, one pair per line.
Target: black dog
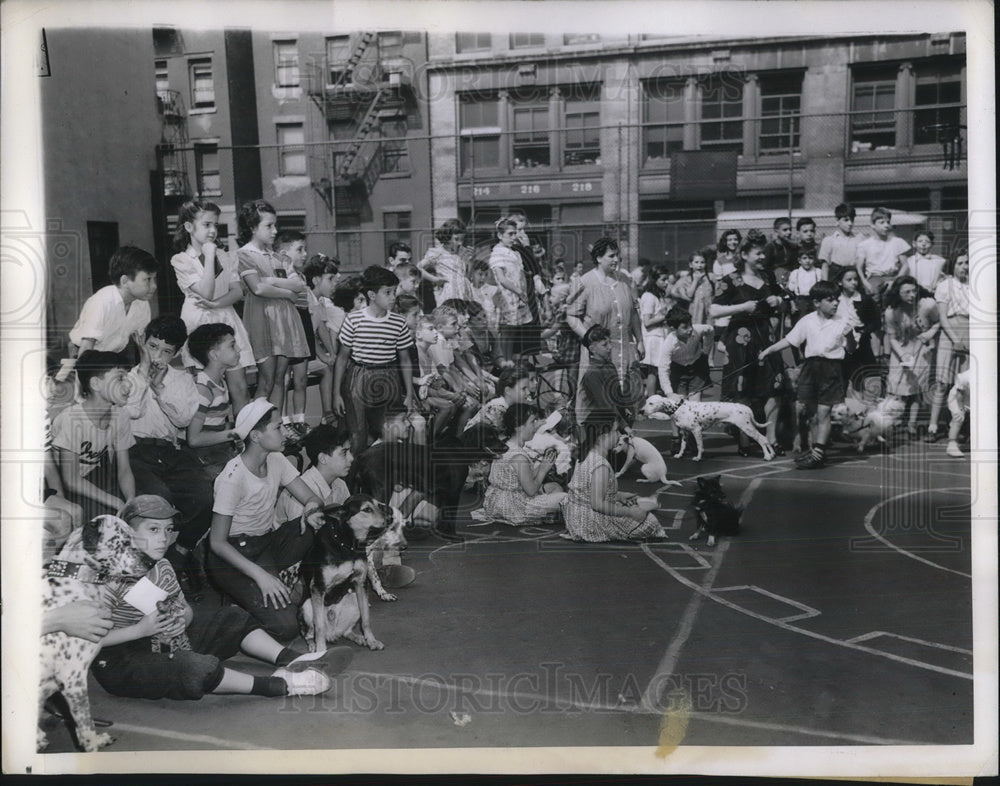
716,516
337,567
437,470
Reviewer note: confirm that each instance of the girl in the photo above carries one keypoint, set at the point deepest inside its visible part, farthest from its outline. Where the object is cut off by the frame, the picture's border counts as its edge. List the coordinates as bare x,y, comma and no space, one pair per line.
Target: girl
911,328
594,510
925,267
727,253
207,276
858,308
447,262
515,386
653,307
274,325
517,493
952,296
698,289
750,304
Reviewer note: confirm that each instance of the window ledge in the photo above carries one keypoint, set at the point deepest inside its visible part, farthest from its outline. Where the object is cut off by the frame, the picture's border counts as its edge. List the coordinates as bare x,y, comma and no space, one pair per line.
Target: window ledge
394,175
203,111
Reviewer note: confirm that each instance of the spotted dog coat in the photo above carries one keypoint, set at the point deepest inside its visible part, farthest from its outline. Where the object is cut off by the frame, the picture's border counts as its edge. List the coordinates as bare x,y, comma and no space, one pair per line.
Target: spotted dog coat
98,552
391,538
694,416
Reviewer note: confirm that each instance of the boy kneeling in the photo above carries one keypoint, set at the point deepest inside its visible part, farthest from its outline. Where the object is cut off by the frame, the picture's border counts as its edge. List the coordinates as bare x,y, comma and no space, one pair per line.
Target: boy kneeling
159,647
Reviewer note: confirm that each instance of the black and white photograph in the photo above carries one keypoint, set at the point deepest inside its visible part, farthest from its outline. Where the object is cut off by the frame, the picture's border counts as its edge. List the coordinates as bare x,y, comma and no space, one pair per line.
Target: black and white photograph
499,387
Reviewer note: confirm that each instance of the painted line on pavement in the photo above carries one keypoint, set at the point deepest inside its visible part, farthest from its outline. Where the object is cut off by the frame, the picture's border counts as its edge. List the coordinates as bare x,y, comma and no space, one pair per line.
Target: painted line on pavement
880,633
196,738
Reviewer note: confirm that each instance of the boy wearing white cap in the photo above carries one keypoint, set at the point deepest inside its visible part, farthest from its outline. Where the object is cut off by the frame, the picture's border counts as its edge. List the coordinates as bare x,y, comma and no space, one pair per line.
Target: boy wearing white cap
248,545
159,647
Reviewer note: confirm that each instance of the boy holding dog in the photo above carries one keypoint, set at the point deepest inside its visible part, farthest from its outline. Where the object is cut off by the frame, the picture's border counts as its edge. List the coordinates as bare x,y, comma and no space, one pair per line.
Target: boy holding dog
821,382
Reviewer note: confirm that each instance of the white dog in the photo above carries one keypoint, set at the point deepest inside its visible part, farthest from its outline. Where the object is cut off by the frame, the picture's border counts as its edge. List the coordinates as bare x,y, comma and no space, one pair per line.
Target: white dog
868,423
694,416
652,465
545,438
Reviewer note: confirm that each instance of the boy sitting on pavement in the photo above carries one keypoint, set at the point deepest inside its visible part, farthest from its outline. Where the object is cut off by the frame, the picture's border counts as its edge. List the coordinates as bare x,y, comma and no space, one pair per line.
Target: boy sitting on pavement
159,647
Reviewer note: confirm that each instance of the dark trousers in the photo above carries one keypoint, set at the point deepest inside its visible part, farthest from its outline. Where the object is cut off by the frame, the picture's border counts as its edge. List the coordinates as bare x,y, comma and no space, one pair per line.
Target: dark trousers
177,475
273,551
368,391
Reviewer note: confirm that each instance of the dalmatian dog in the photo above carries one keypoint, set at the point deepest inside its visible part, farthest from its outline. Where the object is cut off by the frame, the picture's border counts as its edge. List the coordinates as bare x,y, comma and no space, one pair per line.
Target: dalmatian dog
99,552
694,416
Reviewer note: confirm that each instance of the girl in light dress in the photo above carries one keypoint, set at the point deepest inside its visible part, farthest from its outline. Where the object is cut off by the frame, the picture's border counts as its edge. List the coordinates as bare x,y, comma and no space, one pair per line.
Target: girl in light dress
269,314
444,264
207,276
911,328
654,303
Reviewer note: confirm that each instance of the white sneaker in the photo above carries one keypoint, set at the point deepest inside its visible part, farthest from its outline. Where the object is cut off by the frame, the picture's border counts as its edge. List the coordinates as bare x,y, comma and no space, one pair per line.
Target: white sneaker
954,450
309,682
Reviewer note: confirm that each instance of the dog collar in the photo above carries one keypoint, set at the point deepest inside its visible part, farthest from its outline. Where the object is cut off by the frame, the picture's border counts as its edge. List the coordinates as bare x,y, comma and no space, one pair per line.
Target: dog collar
355,548
63,569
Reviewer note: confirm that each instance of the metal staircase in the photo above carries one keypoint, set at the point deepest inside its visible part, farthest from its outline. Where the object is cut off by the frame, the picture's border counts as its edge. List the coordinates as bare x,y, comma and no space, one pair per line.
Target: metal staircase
172,149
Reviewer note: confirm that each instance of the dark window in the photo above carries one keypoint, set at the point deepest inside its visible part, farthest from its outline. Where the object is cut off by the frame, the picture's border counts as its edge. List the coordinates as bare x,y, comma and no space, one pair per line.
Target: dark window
722,113
582,141
873,119
780,112
473,42
338,50
206,161
527,40
292,222
480,133
162,80
395,152
531,136
102,242
938,104
663,118
202,84
396,229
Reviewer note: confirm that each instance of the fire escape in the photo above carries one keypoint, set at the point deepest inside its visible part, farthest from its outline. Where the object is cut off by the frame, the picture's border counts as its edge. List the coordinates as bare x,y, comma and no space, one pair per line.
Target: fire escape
172,149
355,95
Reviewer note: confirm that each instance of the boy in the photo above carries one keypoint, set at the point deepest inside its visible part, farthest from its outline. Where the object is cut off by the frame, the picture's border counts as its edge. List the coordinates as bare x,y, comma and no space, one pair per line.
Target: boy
781,251
373,359
210,433
821,381
683,362
880,257
290,248
600,392
925,267
161,404
442,353
111,316
839,251
435,393
92,437
159,647
806,229
329,452
409,279
399,253
486,294
321,275
249,547
800,284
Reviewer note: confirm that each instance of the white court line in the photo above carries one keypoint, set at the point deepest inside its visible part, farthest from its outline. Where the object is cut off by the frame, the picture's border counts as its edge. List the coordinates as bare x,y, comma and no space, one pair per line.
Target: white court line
875,634
814,479
792,629
670,658
180,736
870,516
807,611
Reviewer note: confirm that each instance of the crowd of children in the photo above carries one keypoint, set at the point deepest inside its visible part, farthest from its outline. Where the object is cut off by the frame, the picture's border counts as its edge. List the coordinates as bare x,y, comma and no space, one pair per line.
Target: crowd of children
164,430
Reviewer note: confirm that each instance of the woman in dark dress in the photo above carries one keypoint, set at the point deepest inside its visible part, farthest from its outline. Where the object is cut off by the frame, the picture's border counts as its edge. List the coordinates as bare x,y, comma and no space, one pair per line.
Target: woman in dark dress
751,301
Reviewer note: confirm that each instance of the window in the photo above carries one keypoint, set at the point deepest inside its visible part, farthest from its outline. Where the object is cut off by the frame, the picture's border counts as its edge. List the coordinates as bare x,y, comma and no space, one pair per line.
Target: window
206,162
396,229
390,43
780,108
480,134
663,118
338,50
286,63
292,222
395,153
722,112
473,42
873,121
162,80
582,140
938,104
571,39
291,149
202,84
531,136
527,40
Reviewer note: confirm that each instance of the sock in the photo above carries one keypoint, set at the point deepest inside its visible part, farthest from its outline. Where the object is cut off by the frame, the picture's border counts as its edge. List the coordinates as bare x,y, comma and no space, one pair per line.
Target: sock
299,417
819,450
269,686
285,420
286,656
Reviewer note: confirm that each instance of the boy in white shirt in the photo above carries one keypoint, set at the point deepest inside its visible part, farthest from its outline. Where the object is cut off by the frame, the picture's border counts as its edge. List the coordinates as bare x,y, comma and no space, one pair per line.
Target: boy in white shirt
881,257
925,267
800,283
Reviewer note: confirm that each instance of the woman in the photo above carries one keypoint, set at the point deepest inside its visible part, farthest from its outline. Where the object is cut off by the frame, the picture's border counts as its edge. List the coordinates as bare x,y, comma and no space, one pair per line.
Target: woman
444,265
518,334
727,253
517,493
857,307
911,328
594,510
749,303
604,297
952,296
653,307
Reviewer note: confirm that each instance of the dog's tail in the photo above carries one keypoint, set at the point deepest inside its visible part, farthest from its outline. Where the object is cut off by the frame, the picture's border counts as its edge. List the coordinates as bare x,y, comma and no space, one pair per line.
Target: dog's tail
758,425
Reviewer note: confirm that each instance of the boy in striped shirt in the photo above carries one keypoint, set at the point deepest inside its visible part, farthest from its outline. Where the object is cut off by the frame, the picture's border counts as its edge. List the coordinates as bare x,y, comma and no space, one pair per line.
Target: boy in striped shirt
210,433
373,370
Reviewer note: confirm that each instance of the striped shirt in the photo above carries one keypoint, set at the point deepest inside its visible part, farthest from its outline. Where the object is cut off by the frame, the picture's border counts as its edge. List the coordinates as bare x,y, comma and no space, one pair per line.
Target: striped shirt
123,613
217,411
375,341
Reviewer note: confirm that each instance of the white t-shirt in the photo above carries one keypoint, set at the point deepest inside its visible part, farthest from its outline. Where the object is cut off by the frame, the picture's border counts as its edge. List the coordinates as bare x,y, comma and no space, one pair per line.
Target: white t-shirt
880,255
249,499
105,319
289,508
73,430
824,338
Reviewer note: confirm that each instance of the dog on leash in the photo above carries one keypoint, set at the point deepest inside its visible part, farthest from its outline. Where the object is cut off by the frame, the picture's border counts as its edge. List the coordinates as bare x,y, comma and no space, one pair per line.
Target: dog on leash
99,552
694,416
868,423
716,516
338,567
651,463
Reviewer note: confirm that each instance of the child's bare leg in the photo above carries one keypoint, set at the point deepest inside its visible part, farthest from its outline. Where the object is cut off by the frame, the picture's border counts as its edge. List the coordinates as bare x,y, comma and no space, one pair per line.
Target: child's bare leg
465,413
299,383
326,391
277,394
771,417
265,377
239,393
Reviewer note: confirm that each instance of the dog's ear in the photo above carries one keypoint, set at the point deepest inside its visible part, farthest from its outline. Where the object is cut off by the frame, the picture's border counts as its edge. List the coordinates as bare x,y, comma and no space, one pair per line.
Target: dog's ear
92,534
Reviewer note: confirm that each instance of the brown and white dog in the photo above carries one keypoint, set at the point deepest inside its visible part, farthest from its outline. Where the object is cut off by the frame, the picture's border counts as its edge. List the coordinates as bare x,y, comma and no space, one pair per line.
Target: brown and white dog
99,552
693,416
340,564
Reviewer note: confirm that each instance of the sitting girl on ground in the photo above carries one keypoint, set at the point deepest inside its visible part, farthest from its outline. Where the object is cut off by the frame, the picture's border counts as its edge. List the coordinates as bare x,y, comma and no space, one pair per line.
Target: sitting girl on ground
517,493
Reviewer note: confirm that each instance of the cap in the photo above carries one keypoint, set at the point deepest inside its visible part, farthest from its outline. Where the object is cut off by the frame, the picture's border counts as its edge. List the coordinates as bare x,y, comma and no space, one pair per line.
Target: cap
250,415
147,506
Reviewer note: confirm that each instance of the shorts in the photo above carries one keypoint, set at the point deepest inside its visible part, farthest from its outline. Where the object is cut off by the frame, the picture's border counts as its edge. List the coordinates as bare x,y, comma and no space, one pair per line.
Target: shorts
307,326
690,379
821,382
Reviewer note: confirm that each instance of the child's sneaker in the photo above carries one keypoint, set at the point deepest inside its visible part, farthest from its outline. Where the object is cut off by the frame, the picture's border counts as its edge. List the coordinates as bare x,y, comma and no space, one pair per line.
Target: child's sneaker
331,662
954,450
300,429
310,682
810,461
